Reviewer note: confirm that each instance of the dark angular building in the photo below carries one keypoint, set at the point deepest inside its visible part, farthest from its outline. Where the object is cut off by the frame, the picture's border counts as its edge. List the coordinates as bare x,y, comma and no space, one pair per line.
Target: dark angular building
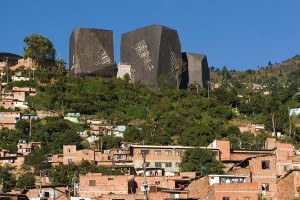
195,70
154,53
91,53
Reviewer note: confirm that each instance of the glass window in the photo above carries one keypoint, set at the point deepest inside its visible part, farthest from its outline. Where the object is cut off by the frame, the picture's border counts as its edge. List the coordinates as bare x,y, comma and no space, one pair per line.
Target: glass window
168,152
168,164
157,164
178,152
265,187
92,182
145,152
157,152
226,198
265,164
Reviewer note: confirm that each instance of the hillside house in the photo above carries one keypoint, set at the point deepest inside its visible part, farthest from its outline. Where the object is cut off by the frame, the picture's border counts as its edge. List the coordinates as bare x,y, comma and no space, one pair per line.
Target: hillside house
128,187
167,157
25,147
9,119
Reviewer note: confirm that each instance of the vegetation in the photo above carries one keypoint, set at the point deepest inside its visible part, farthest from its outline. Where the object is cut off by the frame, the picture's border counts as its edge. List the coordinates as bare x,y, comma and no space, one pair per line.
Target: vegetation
201,160
40,49
193,117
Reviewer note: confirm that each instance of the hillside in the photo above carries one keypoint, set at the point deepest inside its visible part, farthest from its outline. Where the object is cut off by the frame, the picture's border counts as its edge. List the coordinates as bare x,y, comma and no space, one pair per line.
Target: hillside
285,72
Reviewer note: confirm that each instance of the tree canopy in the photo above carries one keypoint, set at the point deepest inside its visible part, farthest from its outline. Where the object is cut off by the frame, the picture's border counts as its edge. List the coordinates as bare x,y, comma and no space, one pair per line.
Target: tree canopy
200,160
40,49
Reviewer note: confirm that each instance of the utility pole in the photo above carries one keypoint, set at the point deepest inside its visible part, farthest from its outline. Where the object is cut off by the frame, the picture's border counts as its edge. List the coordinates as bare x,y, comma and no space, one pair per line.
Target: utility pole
145,185
290,121
7,70
74,184
30,126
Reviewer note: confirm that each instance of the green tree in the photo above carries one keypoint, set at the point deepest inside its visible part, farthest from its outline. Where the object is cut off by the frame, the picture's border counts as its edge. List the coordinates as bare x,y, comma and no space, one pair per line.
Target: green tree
225,74
56,132
200,160
7,178
40,49
63,174
37,159
25,180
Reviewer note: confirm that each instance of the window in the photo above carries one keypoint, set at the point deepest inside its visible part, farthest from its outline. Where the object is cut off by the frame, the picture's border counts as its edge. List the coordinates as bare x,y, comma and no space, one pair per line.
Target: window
92,182
168,164
145,152
110,179
157,152
178,153
226,198
70,160
265,187
265,164
157,164
168,152
177,164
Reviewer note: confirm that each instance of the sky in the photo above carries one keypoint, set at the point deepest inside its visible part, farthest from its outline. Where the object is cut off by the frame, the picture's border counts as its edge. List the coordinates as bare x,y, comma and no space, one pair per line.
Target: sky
238,34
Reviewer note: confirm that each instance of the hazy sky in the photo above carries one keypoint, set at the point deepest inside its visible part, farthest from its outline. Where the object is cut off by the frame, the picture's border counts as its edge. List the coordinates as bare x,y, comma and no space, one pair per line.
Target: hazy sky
239,34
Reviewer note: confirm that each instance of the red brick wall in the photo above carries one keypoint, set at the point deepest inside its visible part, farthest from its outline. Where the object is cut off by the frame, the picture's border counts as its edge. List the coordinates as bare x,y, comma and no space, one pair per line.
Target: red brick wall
237,191
224,147
270,143
287,187
104,184
199,188
261,176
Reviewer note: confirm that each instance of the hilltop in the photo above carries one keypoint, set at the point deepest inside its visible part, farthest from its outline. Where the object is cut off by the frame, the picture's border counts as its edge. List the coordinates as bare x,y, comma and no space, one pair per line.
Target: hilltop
285,72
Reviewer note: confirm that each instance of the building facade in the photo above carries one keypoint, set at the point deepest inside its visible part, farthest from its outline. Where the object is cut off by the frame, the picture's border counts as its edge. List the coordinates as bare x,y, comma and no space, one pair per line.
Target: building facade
91,53
154,53
195,70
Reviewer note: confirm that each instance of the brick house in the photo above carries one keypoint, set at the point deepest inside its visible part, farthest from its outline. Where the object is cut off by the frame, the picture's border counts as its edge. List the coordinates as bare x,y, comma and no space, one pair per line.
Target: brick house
11,159
129,187
9,119
95,185
25,147
28,91
115,158
16,98
229,157
262,171
49,191
289,186
45,113
27,63
167,157
268,173
219,187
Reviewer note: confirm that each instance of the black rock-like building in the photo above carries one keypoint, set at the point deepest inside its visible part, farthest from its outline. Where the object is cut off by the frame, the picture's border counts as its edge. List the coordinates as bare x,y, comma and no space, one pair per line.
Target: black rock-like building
154,53
91,53
195,70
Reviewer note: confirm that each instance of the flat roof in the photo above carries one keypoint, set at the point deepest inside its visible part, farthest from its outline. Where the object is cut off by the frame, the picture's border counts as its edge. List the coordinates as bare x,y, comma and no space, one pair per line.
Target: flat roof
227,175
171,147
